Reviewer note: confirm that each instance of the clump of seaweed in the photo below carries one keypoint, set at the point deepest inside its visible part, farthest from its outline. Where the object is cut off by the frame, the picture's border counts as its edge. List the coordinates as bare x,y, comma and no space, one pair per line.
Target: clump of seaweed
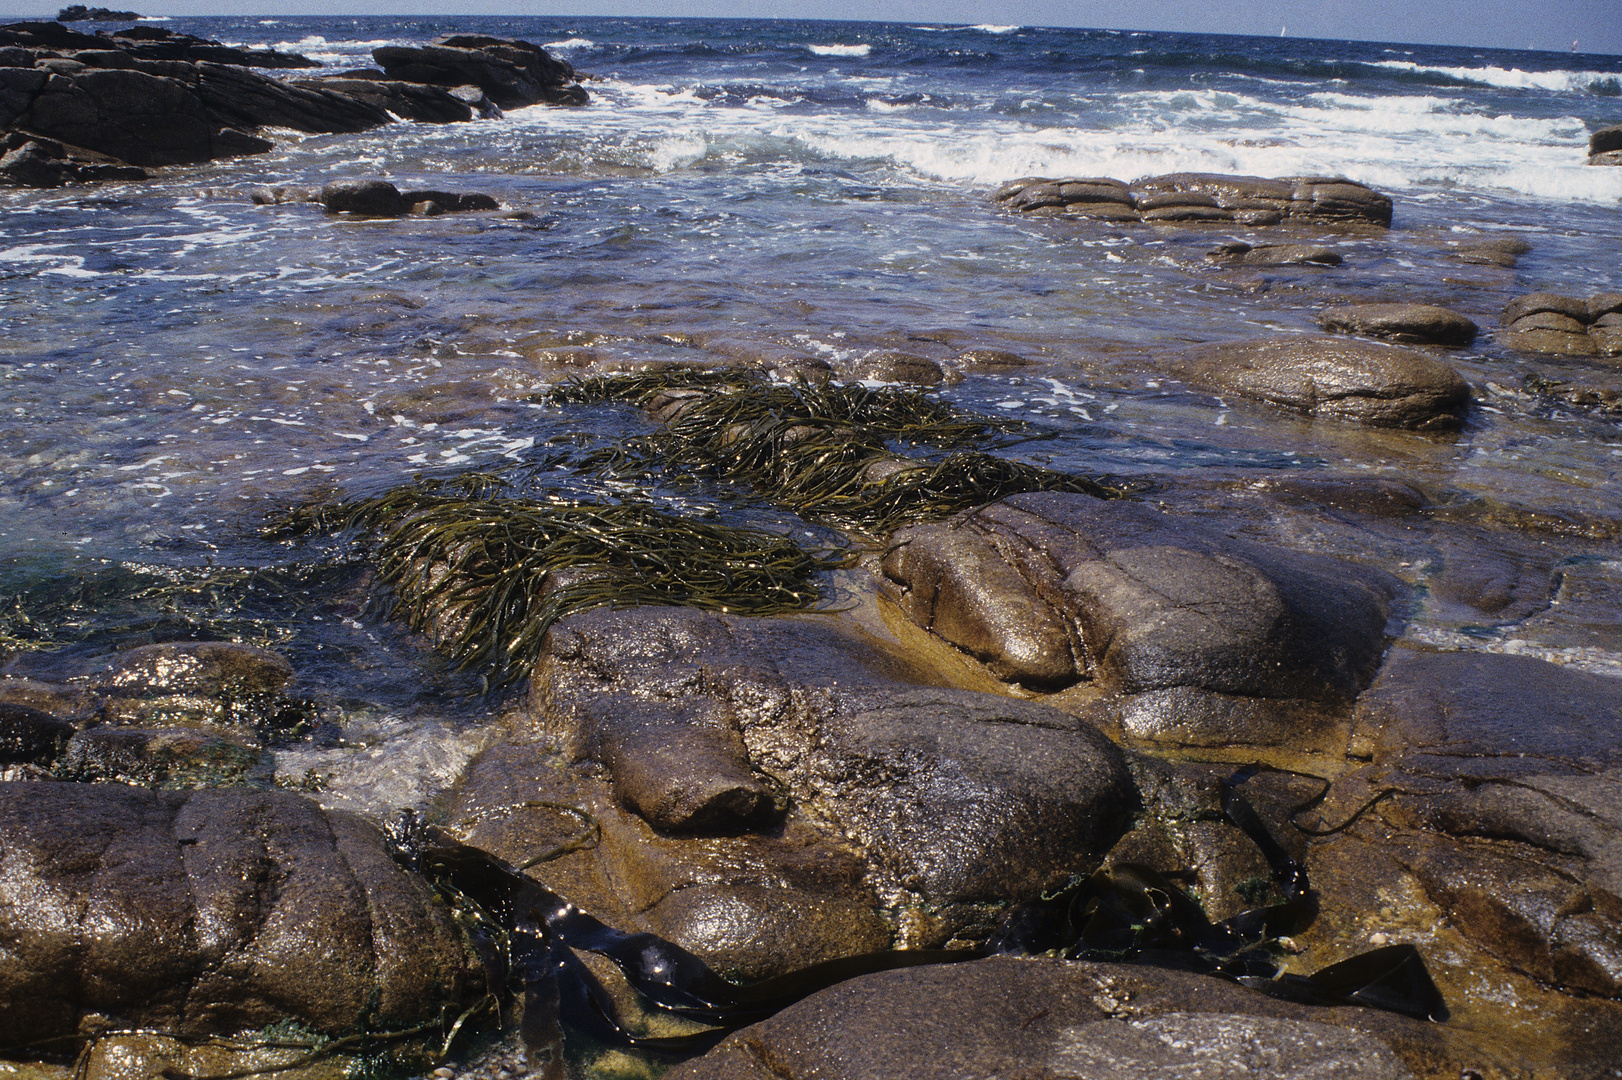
821,451
486,576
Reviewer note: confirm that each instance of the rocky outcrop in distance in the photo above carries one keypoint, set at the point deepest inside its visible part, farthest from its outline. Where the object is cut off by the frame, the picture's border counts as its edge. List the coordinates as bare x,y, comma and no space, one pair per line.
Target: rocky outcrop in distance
1558,325
1605,146
1200,197
147,98
80,13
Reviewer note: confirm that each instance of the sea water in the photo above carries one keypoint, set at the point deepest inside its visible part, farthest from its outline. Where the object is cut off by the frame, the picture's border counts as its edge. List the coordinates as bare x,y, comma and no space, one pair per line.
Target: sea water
179,362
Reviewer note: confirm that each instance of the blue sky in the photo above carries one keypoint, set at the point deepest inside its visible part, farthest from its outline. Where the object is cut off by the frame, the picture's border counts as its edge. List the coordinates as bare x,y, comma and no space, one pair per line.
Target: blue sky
1512,24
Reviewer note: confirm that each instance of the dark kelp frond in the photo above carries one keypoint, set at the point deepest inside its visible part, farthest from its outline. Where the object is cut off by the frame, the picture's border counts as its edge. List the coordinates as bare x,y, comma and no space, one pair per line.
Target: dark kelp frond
715,401
487,577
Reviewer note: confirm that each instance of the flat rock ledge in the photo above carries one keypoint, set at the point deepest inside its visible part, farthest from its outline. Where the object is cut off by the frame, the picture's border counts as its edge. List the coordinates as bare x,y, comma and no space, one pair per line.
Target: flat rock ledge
210,912
1412,324
1559,325
1333,378
1194,638
1200,198
1069,1019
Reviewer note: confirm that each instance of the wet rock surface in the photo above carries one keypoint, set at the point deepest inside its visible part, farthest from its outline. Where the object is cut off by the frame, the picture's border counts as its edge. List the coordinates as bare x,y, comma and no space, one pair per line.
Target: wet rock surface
208,912
1413,324
379,198
1193,636
1053,1018
1377,385
512,73
1604,146
948,801
1560,325
1200,197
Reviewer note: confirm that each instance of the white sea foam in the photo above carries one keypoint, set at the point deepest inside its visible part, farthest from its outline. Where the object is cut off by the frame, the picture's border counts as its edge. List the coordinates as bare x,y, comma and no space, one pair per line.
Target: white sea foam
994,28
572,43
841,50
1406,142
1507,78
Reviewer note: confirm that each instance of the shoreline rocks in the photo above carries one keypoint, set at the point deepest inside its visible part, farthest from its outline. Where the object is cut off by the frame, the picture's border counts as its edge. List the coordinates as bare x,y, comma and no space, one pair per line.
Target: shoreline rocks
1379,385
108,105
1200,198
211,912
1605,146
1411,324
1194,638
1558,325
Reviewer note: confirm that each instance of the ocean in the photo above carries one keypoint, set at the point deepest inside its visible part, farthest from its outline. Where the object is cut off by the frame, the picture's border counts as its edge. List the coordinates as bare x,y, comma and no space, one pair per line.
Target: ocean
179,362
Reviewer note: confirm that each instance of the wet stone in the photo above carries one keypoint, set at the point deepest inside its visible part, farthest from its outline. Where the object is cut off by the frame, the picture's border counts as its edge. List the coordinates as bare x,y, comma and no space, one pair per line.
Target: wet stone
952,802
1415,324
1334,378
1570,306
1510,768
1194,637
1024,1017
29,736
209,912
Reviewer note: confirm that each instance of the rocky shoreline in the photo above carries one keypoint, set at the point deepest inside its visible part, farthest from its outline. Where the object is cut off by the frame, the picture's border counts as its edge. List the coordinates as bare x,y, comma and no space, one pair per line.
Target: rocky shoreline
1151,777
110,105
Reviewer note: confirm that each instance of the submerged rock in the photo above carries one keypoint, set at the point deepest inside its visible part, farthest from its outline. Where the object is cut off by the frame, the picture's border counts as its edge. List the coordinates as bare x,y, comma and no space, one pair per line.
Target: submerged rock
1378,385
1415,324
1244,254
1196,637
209,913
1052,1018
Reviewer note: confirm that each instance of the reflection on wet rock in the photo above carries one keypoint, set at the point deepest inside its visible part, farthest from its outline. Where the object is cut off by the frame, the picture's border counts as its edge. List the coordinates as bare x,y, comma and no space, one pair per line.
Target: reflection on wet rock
208,912
952,802
1378,385
1005,1016
1203,639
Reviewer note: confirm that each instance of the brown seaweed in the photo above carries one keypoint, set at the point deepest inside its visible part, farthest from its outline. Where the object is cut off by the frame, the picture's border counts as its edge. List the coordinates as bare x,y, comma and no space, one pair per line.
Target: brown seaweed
487,576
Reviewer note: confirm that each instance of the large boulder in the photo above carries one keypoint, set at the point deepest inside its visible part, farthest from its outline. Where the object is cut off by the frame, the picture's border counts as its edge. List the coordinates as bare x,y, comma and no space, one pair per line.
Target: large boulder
209,913
1378,385
778,788
1052,1018
1195,637
1417,324
512,73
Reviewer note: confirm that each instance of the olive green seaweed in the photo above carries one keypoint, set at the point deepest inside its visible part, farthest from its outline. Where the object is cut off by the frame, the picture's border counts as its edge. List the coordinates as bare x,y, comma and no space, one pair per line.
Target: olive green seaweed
821,451
487,576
